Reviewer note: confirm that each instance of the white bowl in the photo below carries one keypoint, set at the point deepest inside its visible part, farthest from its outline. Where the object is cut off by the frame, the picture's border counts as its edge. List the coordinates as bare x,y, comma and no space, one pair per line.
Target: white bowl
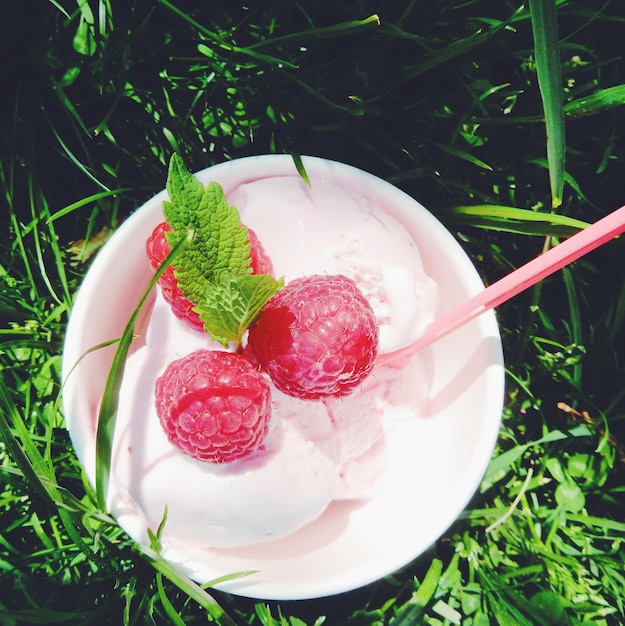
432,476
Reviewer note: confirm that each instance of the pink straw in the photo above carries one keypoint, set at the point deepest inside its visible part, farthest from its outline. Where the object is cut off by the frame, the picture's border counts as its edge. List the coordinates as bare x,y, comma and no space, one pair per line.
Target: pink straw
520,279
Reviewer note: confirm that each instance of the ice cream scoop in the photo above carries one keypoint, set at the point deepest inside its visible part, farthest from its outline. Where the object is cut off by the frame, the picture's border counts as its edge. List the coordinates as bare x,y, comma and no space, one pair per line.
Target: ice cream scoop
324,228
316,451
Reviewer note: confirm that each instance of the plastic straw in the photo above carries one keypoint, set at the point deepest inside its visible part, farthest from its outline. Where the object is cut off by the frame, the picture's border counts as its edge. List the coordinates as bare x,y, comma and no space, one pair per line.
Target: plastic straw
520,279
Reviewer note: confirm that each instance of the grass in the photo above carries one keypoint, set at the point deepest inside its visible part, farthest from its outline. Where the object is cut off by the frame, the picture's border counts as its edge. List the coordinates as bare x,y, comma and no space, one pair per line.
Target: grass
441,98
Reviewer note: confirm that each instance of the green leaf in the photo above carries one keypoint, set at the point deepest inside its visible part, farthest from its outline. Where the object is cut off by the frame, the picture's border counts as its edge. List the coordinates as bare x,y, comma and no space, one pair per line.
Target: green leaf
549,606
555,468
580,466
219,242
185,191
232,303
570,497
84,41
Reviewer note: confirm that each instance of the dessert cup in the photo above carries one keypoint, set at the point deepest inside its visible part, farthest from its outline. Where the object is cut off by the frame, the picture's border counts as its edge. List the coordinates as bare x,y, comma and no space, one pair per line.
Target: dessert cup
432,473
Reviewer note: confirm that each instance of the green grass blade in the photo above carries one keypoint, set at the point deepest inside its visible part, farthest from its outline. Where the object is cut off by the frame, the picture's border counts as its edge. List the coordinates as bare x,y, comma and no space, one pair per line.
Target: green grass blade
453,50
549,73
325,32
107,416
192,589
86,170
38,616
167,605
40,216
597,102
21,450
575,318
462,154
568,179
85,201
515,220
301,169
60,8
412,611
501,464
220,41
38,472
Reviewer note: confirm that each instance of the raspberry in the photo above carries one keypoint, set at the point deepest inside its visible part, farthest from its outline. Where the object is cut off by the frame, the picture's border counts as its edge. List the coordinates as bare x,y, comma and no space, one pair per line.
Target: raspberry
317,337
260,261
213,405
158,248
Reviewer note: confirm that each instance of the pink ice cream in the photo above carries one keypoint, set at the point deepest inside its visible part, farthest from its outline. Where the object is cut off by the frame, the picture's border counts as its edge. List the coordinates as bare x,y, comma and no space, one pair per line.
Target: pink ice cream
326,229
316,451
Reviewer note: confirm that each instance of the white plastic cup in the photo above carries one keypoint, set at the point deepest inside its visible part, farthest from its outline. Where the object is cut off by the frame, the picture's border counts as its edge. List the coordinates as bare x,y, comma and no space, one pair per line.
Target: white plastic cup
428,486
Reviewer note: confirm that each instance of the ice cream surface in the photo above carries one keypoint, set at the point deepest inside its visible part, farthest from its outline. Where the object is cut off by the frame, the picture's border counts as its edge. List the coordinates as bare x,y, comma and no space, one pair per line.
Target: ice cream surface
327,229
316,451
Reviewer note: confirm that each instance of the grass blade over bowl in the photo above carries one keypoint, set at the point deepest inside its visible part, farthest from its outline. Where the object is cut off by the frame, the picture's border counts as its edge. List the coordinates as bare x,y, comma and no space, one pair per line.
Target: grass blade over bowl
107,416
198,592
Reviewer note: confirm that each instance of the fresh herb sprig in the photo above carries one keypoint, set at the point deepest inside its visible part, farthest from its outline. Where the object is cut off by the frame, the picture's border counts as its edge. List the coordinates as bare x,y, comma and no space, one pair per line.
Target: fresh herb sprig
214,270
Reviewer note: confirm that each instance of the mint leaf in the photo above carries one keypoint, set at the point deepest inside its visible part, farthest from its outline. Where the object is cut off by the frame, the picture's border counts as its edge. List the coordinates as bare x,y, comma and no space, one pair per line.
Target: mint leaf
231,304
214,269
220,243
185,192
